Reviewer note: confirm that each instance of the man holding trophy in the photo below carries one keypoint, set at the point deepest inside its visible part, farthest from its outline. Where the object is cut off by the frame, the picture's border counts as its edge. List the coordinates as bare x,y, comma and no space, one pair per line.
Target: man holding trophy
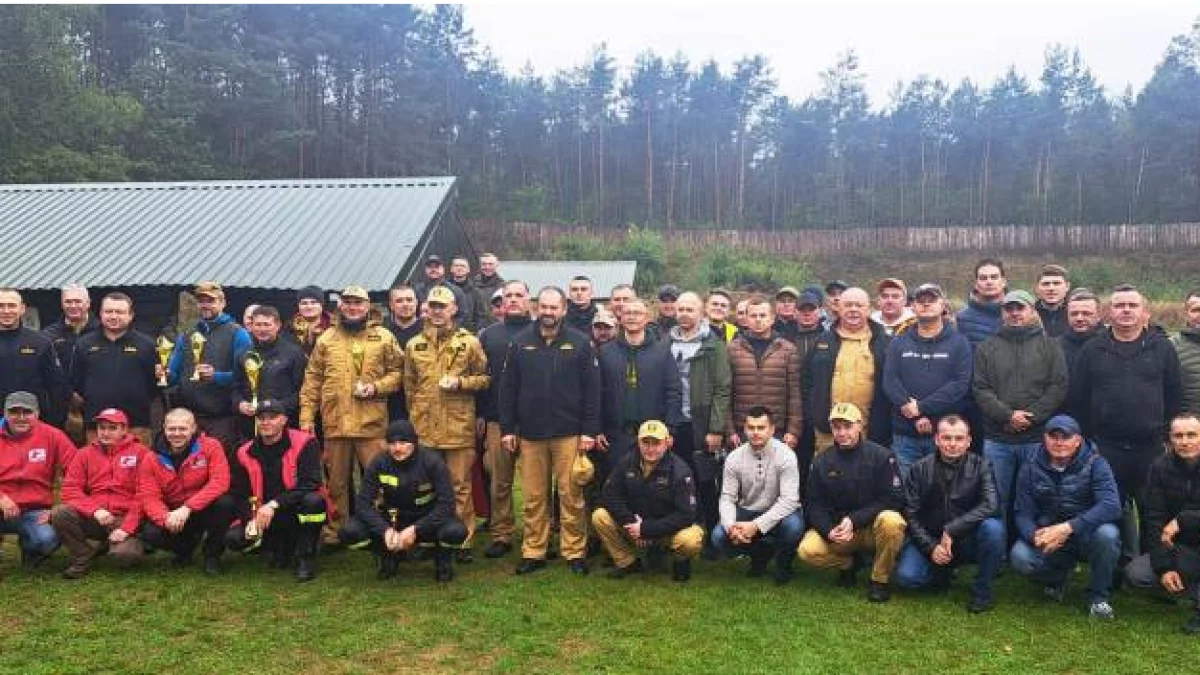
272,369
353,367
310,319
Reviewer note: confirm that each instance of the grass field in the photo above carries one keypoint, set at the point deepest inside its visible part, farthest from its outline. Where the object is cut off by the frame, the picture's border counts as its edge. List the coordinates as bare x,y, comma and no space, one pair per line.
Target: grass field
253,620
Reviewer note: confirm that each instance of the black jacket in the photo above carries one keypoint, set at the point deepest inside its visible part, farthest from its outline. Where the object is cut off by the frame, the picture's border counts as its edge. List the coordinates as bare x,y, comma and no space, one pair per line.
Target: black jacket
495,340
859,483
280,379
817,379
118,374
417,488
29,363
1019,368
398,403
1072,343
580,318
550,390
472,314
1172,492
665,500
952,498
1054,321
659,395
1125,398
309,474
64,338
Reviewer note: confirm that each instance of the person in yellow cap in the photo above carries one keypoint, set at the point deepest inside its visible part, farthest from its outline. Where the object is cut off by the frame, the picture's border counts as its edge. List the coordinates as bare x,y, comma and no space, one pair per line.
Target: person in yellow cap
649,503
854,502
444,369
353,367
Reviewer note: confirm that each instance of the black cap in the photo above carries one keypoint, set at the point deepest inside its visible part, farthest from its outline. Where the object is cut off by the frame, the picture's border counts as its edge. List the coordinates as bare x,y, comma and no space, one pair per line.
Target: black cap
836,284
270,405
310,293
434,259
401,431
668,293
809,297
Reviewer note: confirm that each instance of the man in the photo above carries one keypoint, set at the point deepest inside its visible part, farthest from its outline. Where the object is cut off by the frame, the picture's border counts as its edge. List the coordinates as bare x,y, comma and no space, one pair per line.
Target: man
311,319
435,275
705,388
1020,381
668,296
604,329
281,368
926,375
786,323
472,313
488,283
405,324
497,305
182,487
1126,388
99,497
76,321
980,319
649,502
1052,290
759,503
833,299
1066,507
444,368
33,455
581,309
1187,348
275,483
810,326
353,368
1172,503
620,296
247,313
28,361
739,320
846,366
405,501
550,409
951,507
893,312
854,502
500,462
1083,324
117,367
716,310
765,370
206,384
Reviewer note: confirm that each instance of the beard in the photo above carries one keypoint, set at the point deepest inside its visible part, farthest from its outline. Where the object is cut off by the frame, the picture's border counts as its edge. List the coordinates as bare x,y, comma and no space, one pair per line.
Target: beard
549,321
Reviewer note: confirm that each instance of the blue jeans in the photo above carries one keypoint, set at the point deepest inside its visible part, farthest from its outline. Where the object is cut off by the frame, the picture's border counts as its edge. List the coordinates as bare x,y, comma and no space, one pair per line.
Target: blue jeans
782,541
983,547
35,538
1006,459
910,449
1101,548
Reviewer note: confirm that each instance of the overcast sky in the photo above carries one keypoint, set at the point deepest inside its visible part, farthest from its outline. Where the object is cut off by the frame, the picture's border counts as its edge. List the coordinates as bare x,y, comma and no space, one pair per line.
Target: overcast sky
1122,44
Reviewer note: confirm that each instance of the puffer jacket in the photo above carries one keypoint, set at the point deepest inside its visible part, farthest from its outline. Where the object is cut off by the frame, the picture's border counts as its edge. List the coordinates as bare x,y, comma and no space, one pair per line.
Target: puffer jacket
1019,369
818,381
329,381
944,497
773,381
1172,492
979,320
1084,494
444,419
1187,347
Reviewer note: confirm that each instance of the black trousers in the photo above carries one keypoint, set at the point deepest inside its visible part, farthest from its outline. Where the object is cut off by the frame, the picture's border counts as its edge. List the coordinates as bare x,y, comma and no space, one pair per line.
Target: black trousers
293,531
211,525
450,534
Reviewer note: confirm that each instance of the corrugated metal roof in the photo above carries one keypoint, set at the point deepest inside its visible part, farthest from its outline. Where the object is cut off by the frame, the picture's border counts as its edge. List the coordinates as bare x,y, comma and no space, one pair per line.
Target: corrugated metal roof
604,273
253,234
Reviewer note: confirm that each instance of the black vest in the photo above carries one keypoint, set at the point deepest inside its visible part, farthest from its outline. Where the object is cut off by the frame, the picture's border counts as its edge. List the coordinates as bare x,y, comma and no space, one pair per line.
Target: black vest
208,399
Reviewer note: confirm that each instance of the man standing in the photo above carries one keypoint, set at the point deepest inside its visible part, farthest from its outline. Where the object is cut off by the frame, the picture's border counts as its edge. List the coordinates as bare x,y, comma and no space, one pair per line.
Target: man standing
1083,324
847,366
473,312
550,410
117,367
28,361
435,275
809,329
33,455
444,369
854,502
668,296
1065,509
353,368
206,383
1187,348
311,319
786,324
765,372
649,500
760,500
952,510
281,366
76,321
833,299
620,296
488,283
1052,289
604,329
405,324
893,313
581,309
927,374
1020,381
980,319
716,310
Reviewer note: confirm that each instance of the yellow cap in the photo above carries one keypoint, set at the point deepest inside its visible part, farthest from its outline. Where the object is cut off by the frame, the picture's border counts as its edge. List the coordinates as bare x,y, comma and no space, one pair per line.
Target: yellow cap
440,295
209,288
847,412
653,429
355,293
582,470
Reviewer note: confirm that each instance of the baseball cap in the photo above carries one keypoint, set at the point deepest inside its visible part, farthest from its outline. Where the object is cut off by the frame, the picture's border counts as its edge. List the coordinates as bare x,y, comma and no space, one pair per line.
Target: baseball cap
210,288
668,292
498,296
440,295
1064,424
605,318
788,290
836,284
1023,297
845,411
270,405
21,399
653,429
929,289
808,297
112,415
355,293
892,282
434,259
582,470
401,431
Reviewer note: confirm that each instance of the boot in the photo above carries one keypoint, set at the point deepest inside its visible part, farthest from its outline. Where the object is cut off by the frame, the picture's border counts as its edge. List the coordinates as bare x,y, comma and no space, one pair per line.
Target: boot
443,566
306,569
388,566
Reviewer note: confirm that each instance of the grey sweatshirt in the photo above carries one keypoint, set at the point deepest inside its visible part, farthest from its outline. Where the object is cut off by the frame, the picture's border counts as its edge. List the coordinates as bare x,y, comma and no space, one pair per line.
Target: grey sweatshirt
766,482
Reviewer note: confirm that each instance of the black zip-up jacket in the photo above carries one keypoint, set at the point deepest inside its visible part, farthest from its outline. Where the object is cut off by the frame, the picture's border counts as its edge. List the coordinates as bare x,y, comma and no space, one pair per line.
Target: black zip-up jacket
665,500
309,474
29,363
398,403
280,379
860,483
417,488
659,392
116,374
1072,343
1054,321
550,390
940,496
580,318
817,379
1122,399
1172,492
495,340
64,338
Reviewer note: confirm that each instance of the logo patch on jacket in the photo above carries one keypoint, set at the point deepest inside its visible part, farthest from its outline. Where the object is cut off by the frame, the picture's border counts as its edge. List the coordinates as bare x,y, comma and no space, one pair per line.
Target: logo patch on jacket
200,463
37,455
127,462
27,351
94,348
373,338
130,349
567,346
424,487
421,346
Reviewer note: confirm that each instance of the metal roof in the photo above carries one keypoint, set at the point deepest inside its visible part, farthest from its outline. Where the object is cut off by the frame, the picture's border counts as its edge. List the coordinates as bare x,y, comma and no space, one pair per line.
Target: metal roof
254,234
604,273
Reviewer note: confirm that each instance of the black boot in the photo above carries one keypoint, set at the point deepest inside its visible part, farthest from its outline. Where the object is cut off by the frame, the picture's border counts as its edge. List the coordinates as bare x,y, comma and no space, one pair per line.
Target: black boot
443,566
306,568
388,566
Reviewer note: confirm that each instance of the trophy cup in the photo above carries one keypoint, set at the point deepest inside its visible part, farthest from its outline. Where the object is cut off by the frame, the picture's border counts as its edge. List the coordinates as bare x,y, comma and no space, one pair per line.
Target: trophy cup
300,329
164,348
357,354
198,341
252,532
253,364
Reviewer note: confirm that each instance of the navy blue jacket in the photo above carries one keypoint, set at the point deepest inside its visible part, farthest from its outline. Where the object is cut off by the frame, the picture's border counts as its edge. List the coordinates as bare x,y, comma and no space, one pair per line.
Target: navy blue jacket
979,320
659,395
936,371
1085,494
550,390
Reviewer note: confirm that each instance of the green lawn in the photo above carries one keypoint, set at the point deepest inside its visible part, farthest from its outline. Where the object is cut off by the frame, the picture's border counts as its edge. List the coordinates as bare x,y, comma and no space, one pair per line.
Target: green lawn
253,620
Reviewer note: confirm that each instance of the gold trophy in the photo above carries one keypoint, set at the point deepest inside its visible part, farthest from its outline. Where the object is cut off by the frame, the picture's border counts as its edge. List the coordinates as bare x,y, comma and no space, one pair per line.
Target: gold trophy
300,329
253,364
252,532
357,354
164,347
198,341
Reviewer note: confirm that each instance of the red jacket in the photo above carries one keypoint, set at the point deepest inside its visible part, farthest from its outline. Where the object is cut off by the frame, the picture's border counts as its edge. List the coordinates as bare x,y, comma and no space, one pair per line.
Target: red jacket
29,464
107,480
201,479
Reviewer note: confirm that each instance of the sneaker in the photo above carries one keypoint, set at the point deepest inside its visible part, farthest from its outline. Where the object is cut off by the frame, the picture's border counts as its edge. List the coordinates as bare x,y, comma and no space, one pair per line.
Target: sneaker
530,565
1101,610
1055,592
621,572
980,604
579,567
878,592
497,549
681,570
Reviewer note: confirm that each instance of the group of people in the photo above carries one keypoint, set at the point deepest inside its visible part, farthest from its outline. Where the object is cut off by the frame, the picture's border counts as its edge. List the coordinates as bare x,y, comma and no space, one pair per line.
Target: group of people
904,438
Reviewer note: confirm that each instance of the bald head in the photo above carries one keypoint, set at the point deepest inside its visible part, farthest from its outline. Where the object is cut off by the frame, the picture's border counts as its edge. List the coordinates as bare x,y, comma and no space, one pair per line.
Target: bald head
689,309
854,306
